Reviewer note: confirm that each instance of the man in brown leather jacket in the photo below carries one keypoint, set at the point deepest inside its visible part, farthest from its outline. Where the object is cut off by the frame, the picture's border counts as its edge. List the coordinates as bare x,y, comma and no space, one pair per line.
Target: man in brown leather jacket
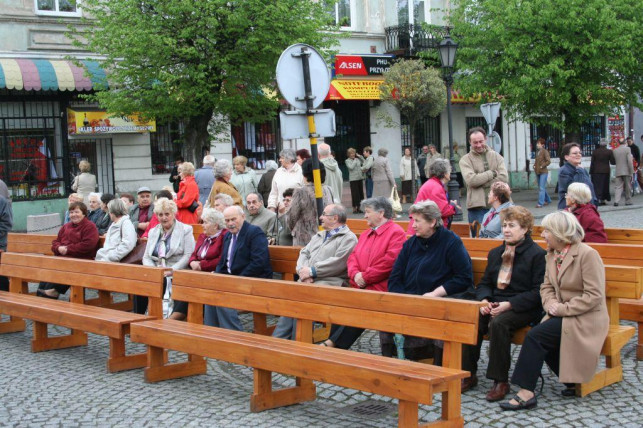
540,168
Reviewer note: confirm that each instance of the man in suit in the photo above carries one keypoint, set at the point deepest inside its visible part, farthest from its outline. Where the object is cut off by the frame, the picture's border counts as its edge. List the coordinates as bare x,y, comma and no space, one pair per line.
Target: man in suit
624,171
245,253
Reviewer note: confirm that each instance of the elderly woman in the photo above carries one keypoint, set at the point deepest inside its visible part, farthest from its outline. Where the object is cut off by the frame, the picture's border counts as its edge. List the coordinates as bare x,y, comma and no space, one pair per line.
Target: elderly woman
121,235
78,239
288,176
432,263
154,220
243,177
356,178
573,296
169,244
302,216
435,190
371,261
509,289
499,199
577,200
223,175
265,182
572,172
383,181
187,199
407,168
73,197
85,182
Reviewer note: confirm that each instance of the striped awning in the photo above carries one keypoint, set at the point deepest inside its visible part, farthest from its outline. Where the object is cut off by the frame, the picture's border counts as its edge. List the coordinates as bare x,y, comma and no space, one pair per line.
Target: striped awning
51,75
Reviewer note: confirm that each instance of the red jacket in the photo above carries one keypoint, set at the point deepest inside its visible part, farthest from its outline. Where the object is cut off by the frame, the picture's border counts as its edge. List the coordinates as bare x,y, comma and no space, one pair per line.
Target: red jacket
80,239
375,254
588,217
433,190
211,260
187,194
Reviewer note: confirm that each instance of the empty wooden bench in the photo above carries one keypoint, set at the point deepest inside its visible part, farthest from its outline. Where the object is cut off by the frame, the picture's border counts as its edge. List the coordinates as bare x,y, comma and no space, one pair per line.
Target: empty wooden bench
453,321
621,282
75,315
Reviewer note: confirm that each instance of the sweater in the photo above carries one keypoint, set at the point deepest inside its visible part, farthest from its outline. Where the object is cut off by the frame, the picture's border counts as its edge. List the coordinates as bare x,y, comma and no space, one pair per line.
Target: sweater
590,219
328,256
478,173
81,240
426,264
282,180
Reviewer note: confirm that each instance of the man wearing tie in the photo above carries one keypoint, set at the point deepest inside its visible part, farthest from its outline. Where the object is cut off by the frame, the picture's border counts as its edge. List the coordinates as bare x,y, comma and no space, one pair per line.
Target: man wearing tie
245,253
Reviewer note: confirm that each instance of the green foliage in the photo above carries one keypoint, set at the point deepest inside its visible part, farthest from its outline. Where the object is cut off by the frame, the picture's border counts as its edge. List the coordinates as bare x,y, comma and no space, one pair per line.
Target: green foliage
186,59
545,59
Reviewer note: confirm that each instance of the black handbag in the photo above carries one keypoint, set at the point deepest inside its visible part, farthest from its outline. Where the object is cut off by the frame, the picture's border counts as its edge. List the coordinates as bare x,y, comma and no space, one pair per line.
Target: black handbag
195,205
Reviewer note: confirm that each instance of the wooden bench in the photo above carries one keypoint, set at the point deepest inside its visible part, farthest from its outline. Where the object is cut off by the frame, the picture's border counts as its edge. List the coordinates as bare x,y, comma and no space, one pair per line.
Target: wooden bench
28,243
453,321
357,226
621,282
614,235
75,315
632,310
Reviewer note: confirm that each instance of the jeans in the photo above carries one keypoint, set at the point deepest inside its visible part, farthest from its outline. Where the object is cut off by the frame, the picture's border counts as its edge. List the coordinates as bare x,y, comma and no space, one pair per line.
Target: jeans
543,196
369,187
476,214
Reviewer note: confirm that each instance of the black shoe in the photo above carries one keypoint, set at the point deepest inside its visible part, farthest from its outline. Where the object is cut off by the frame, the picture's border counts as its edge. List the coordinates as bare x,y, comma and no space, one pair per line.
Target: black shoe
522,404
616,204
568,392
41,293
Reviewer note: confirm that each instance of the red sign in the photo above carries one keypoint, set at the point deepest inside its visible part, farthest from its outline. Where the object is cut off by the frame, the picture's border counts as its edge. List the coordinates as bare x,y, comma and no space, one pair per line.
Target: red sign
362,65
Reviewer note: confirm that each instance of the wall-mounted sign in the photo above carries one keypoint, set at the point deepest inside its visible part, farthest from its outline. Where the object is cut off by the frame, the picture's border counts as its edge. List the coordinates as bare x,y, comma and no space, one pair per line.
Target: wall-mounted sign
354,90
362,65
100,122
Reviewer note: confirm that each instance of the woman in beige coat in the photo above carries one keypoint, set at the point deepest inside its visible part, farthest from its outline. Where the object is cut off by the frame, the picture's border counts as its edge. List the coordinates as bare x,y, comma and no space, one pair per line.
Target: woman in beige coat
383,181
570,337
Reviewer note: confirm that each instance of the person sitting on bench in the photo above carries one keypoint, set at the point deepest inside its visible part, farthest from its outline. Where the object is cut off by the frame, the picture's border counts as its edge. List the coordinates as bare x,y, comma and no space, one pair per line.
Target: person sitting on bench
120,239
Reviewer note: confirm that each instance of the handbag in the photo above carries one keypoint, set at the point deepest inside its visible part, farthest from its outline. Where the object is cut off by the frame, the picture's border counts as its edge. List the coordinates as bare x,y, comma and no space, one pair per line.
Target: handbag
395,201
135,257
195,205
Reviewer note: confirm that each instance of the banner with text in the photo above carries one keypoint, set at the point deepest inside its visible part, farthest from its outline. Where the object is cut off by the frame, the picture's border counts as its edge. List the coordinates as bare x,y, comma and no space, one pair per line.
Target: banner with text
354,90
100,122
362,65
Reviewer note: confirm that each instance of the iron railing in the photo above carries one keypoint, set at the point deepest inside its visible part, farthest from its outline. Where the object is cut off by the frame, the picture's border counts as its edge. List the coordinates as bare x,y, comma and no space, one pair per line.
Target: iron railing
410,39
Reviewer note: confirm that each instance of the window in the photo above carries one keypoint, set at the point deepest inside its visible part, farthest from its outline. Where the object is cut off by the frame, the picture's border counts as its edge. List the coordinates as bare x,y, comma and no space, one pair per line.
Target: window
256,141
590,134
340,12
427,131
410,12
58,7
165,144
553,139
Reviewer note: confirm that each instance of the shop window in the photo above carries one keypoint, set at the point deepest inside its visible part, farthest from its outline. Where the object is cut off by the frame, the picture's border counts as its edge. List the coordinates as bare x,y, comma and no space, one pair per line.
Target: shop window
31,150
58,7
340,11
256,141
165,144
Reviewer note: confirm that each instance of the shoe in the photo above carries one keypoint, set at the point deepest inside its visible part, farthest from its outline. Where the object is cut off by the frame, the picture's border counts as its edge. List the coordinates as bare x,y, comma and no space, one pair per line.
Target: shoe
41,293
616,204
546,203
539,206
498,392
602,203
468,383
628,203
568,392
522,404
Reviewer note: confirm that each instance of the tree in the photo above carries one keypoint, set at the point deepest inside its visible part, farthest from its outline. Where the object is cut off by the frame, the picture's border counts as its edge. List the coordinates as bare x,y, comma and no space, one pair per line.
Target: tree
190,59
416,91
556,62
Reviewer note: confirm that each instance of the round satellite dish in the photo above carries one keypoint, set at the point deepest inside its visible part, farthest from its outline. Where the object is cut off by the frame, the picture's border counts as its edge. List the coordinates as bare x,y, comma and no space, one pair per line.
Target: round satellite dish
495,141
290,76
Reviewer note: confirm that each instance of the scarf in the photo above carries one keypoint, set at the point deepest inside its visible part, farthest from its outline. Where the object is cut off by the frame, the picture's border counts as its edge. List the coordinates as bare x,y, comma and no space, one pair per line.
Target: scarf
559,256
162,246
504,275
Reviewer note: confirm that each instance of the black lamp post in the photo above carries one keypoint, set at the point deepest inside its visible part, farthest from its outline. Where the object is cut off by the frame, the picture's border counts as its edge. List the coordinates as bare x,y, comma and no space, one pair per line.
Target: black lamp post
448,50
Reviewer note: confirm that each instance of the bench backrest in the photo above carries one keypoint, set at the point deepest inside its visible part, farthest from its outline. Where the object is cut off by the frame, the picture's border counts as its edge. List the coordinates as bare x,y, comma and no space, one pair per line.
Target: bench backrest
614,236
79,274
35,244
284,260
359,225
444,319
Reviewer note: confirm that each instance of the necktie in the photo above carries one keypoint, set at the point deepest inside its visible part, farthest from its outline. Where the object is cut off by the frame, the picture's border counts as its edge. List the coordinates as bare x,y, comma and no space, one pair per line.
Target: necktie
231,249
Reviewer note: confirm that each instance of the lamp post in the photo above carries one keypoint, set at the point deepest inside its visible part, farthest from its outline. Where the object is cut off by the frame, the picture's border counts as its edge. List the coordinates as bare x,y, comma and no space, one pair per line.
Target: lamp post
448,48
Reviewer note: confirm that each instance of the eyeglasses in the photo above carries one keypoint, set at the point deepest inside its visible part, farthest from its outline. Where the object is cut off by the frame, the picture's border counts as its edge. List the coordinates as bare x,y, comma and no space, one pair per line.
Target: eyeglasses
327,215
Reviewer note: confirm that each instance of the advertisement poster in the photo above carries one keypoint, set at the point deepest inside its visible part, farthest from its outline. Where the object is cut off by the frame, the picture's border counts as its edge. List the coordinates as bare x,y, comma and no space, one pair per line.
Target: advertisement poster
616,129
100,122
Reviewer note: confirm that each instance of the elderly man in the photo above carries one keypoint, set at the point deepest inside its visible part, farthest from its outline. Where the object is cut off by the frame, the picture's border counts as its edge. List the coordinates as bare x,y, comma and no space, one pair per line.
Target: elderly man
204,178
481,167
288,176
6,223
245,253
95,213
422,163
334,178
222,201
142,212
624,171
323,260
259,216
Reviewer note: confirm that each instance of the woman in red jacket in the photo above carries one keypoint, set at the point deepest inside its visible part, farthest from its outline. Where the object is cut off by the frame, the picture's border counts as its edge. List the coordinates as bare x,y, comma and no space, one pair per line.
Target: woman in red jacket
434,190
78,238
371,261
187,198
578,199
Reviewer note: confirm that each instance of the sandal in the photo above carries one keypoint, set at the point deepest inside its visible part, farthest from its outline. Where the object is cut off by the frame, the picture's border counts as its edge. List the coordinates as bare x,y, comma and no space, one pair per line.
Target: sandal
522,404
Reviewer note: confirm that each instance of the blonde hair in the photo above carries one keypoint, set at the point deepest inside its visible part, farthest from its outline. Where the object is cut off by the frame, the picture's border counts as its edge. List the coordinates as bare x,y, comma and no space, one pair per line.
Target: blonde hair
564,227
164,204
240,159
579,192
84,166
187,168
351,151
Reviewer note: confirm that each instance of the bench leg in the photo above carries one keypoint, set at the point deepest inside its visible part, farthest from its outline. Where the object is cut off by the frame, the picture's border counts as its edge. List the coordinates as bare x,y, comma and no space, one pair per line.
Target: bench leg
264,398
639,347
13,325
613,373
119,361
157,368
451,412
42,342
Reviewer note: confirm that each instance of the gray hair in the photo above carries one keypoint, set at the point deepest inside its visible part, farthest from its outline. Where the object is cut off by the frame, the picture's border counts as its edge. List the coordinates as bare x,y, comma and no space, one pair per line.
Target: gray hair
432,145
164,204
208,160
117,207
579,192
564,226
439,168
256,194
270,165
382,152
222,168
339,211
603,142
289,155
378,203
213,216
224,198
324,149
94,195
429,211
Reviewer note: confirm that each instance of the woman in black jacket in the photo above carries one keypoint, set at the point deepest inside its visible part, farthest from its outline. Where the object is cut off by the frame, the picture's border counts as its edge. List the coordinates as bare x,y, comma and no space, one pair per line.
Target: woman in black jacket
510,289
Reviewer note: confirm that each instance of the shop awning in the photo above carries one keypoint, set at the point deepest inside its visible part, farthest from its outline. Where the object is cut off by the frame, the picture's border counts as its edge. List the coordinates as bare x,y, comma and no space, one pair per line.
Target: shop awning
51,75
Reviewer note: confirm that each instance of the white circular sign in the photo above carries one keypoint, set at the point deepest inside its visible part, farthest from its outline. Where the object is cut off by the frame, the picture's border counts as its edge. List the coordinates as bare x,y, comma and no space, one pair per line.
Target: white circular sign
290,76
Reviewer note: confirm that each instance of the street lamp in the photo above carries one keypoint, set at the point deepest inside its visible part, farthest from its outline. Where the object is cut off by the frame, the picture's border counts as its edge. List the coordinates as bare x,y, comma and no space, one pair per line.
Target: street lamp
447,49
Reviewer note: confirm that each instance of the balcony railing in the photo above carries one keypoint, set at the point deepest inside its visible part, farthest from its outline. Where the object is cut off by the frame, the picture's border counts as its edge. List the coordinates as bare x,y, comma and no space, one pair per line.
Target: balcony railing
409,39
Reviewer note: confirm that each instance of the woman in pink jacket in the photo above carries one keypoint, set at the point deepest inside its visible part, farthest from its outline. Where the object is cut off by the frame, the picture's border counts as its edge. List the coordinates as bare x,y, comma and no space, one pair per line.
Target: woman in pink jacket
434,190
371,261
